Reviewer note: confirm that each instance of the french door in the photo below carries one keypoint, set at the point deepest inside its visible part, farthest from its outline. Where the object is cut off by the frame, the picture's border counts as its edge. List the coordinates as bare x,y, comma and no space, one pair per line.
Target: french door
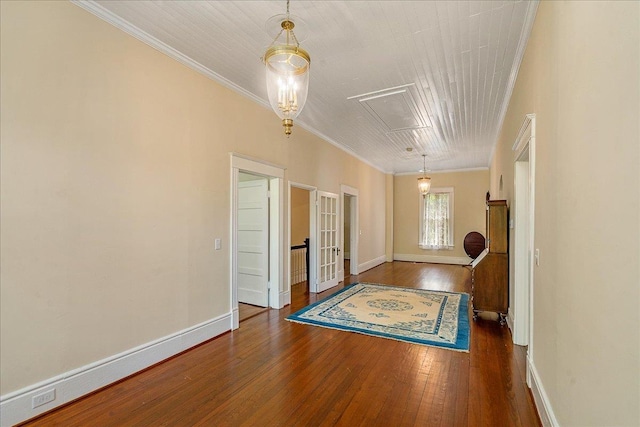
327,240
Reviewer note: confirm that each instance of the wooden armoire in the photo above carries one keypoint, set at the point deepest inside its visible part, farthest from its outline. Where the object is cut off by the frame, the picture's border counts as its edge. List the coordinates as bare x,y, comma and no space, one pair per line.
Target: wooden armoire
490,275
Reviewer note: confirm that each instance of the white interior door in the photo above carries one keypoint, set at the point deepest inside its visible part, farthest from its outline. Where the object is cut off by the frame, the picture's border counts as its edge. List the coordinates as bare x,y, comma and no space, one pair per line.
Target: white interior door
253,242
327,244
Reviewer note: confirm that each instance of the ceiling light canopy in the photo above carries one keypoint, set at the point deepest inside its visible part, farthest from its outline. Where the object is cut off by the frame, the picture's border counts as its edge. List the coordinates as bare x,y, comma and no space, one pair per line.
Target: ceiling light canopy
287,66
424,182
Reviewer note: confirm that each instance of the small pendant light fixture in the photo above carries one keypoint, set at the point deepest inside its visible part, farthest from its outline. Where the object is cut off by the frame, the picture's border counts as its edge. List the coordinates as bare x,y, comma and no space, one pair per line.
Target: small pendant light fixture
424,182
287,66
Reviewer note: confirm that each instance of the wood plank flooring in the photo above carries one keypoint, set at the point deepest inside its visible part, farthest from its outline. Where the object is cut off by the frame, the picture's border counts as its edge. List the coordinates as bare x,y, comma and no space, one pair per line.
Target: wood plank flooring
271,372
246,311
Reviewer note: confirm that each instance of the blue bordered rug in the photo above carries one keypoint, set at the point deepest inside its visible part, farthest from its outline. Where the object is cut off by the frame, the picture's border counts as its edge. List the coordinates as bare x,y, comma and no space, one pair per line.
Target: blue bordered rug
418,316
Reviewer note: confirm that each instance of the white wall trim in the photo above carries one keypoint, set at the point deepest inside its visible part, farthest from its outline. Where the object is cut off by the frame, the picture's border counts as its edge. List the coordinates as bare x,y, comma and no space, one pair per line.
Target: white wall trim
255,165
276,243
113,19
522,211
285,298
16,407
510,321
432,172
530,17
543,406
434,259
372,263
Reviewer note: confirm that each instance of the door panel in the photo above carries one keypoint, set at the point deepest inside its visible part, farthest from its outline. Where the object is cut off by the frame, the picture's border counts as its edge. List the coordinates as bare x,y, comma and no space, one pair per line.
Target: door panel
253,242
327,214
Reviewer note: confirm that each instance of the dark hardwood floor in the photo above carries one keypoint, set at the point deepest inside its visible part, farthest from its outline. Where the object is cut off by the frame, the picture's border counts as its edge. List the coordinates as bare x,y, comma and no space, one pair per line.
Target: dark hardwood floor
246,311
271,372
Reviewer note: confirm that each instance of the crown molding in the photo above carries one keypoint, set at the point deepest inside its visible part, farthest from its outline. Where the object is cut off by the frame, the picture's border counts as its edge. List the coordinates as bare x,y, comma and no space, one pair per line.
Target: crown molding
532,8
124,25
443,171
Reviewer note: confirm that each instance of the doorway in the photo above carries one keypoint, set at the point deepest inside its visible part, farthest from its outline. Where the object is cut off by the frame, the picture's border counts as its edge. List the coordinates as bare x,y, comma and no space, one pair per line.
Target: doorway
302,203
346,230
300,234
252,244
523,258
350,232
256,235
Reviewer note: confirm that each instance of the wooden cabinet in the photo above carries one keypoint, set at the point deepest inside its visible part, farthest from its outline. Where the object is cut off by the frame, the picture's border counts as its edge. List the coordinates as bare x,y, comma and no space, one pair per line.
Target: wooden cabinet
490,275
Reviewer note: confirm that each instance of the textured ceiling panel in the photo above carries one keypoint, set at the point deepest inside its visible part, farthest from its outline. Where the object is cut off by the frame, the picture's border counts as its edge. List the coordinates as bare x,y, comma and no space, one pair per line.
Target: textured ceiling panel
454,63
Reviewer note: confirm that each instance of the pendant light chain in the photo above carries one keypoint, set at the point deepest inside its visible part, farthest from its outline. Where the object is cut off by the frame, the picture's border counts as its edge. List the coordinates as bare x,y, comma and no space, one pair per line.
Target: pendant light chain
424,165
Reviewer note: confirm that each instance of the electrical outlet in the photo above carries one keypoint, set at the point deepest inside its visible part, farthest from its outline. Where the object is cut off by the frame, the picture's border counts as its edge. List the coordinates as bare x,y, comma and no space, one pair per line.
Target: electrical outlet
218,244
43,398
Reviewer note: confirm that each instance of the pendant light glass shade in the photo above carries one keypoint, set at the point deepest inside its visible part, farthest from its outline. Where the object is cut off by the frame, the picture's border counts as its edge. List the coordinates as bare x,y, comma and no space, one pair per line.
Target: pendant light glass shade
424,183
287,69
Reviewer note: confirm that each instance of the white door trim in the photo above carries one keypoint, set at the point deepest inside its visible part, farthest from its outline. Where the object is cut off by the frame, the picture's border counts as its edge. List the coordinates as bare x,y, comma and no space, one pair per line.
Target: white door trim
275,174
525,141
353,247
312,236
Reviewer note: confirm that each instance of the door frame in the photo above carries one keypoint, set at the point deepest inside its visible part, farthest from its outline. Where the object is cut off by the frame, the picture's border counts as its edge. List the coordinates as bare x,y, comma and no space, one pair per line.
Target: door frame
524,252
354,227
275,174
312,237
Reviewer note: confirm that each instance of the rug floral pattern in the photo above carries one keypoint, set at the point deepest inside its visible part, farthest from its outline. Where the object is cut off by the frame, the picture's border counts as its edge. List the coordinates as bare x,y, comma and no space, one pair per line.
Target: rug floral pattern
413,315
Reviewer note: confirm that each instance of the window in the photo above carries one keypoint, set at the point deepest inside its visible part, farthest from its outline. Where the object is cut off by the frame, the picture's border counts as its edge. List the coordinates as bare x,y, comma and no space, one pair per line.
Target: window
436,219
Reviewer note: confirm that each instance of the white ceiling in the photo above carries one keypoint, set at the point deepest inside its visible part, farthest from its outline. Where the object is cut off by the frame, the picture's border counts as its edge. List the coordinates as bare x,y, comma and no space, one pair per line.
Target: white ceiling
434,76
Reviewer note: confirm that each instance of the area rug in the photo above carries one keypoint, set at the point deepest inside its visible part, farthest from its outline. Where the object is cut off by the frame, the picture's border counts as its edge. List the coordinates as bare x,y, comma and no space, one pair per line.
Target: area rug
418,316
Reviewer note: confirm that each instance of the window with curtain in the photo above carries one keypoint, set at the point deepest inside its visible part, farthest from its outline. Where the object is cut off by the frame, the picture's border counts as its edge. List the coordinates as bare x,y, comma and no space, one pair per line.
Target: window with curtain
436,219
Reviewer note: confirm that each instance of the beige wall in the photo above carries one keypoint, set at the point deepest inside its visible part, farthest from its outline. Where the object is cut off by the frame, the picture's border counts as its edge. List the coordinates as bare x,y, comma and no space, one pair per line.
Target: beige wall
299,215
580,76
470,190
115,176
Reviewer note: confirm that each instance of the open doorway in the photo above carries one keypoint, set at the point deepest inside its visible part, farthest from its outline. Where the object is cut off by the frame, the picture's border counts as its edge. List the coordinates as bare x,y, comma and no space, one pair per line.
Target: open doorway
256,218
522,283
350,232
300,239
346,228
302,271
252,252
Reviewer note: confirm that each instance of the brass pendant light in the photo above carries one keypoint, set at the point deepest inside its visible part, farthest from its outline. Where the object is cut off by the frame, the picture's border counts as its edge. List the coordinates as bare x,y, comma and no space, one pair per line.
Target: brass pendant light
287,68
424,182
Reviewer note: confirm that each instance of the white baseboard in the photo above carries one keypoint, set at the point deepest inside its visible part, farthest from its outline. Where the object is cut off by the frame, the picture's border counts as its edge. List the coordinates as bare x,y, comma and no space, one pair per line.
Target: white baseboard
510,322
547,417
285,299
16,407
372,263
235,321
435,259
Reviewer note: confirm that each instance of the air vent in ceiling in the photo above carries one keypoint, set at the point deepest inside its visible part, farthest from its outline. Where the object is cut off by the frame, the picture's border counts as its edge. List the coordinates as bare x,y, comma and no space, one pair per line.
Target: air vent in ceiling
395,109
